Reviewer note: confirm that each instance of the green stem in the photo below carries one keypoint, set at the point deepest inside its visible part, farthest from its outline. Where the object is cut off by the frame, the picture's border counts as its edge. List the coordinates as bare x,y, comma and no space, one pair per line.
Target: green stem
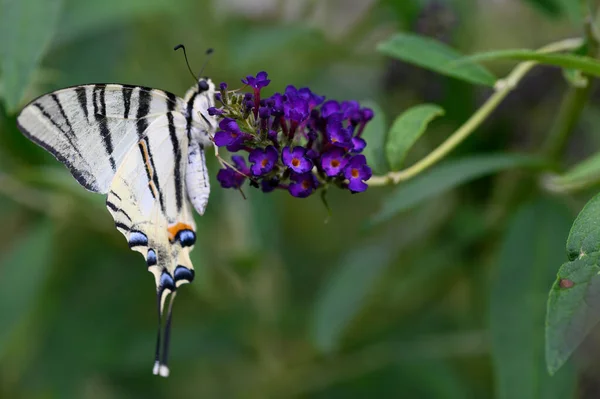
502,88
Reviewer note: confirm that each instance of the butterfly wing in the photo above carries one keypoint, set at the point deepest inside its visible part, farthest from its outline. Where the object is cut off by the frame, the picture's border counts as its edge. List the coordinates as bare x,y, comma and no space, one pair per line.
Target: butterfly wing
91,128
148,201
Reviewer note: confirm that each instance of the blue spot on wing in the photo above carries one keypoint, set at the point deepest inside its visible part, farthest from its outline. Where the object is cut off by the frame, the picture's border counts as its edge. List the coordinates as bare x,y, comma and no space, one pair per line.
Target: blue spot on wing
151,258
137,239
183,273
166,281
187,238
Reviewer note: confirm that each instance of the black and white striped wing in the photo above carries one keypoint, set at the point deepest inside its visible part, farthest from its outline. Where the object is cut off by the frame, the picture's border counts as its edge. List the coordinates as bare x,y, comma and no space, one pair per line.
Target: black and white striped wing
91,128
148,200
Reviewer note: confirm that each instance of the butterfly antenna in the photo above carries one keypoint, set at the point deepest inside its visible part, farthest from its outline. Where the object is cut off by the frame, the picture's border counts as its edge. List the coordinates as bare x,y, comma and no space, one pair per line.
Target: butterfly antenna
156,367
181,46
163,368
208,54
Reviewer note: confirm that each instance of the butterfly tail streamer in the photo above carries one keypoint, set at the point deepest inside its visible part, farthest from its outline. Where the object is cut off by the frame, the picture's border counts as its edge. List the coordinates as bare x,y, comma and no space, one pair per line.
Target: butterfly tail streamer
156,368
163,367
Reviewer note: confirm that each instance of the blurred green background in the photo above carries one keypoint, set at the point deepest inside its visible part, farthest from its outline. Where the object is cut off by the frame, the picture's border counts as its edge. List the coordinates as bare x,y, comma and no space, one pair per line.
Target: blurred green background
446,300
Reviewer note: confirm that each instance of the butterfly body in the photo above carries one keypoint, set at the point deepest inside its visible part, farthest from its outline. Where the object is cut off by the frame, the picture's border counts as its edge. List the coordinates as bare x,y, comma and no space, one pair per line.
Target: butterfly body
144,148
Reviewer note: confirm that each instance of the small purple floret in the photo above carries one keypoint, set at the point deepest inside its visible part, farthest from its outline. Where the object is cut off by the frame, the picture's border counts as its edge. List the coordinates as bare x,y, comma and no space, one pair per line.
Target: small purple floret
257,82
303,185
334,161
356,172
230,178
212,111
358,144
263,160
296,159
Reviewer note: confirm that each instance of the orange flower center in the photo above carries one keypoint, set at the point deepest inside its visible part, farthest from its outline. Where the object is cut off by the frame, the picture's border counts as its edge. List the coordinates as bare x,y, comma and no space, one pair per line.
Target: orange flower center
306,184
295,162
264,162
335,163
354,173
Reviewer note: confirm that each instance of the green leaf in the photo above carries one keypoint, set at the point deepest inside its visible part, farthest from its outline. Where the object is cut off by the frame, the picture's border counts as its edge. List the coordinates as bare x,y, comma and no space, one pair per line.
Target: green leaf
445,177
585,64
405,131
346,292
375,135
434,55
518,303
574,300
583,175
23,270
26,29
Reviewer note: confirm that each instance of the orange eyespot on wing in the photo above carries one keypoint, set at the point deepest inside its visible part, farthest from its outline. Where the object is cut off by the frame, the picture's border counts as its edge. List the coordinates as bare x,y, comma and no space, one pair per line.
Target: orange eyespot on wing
184,233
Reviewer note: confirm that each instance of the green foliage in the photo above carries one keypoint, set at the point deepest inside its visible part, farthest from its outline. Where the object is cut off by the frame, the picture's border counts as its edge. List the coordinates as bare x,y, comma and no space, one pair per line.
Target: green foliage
582,175
436,56
445,177
406,130
525,269
23,271
581,63
375,135
26,28
574,298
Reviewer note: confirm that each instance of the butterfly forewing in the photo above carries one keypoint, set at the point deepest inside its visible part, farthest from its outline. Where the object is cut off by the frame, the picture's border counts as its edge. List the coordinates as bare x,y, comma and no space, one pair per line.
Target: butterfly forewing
90,128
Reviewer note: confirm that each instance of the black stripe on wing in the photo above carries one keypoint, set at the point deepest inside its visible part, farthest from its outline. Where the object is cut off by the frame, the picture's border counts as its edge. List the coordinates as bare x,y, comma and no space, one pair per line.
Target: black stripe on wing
82,99
171,101
99,100
86,180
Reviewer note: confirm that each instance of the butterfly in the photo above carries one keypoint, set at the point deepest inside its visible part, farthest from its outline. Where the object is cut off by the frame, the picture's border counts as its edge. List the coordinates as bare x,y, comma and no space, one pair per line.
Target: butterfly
145,149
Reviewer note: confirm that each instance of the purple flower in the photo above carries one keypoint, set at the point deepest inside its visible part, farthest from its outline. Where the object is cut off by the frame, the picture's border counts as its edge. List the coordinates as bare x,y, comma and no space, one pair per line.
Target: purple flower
337,134
333,161
358,144
231,136
367,114
263,160
276,103
356,171
303,185
230,178
257,82
296,160
329,108
268,185
223,86
212,111
296,109
311,98
229,125
264,112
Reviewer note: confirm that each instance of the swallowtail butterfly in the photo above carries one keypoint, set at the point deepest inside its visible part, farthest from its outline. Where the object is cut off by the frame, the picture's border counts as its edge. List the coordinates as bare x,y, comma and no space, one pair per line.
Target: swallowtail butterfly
144,148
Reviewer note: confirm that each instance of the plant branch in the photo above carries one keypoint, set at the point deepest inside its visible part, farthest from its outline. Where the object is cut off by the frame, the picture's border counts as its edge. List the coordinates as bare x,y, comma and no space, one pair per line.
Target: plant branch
502,88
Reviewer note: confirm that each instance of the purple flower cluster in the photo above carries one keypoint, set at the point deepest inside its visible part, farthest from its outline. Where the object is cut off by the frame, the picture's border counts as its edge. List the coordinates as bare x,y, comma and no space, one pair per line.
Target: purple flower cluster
295,140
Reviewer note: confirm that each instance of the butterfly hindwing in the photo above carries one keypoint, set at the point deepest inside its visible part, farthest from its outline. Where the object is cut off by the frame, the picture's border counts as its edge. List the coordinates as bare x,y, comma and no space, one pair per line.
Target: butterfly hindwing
147,199
90,128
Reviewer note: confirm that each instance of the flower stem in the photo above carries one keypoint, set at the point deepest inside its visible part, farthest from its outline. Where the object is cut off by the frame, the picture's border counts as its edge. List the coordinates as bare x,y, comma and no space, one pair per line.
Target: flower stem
502,88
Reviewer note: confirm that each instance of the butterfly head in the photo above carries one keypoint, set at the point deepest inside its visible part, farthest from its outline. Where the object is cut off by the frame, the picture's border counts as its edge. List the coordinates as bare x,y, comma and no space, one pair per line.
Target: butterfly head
198,99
